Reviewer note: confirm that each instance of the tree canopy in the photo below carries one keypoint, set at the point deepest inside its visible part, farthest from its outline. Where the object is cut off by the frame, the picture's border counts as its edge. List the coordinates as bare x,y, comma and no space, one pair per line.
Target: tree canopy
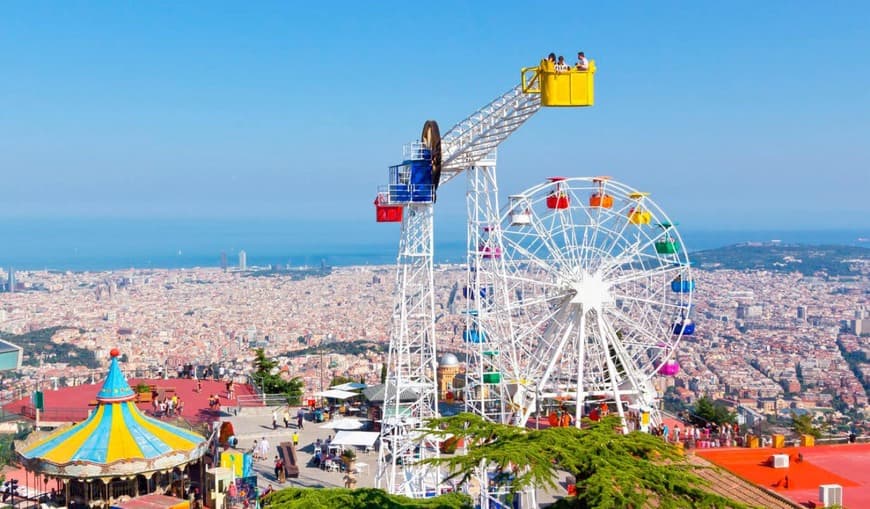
272,383
803,425
612,470
707,411
363,498
339,380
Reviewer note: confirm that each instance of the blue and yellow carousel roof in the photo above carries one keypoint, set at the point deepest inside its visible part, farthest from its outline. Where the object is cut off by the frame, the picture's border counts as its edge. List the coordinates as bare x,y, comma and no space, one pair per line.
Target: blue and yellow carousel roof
116,431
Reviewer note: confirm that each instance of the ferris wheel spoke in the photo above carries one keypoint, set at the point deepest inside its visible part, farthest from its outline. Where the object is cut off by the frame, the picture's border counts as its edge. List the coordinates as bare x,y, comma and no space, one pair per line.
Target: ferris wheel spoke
650,301
642,330
620,217
535,303
546,238
527,256
631,276
568,230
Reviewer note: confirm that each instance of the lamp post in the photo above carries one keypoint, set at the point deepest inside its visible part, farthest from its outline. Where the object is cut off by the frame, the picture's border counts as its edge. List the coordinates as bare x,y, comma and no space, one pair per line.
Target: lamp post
326,340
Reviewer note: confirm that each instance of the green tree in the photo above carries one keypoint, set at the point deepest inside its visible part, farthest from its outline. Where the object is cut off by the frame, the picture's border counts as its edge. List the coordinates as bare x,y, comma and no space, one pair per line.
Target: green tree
263,365
803,425
338,380
273,383
384,373
363,498
7,453
706,410
612,470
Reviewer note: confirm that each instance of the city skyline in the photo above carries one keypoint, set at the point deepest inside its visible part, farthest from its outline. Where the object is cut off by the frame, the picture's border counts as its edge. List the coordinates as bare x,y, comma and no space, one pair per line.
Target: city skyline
294,113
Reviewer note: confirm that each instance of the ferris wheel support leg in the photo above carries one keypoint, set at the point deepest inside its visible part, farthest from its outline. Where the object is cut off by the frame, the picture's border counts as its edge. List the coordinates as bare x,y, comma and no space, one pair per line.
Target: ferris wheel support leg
581,354
614,375
644,399
571,312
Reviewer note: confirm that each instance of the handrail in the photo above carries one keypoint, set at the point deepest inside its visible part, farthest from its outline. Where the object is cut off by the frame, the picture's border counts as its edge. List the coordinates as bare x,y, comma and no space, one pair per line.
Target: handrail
533,85
244,400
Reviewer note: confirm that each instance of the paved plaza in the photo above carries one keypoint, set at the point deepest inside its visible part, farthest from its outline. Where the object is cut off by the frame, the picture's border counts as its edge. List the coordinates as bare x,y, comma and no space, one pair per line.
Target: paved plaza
250,427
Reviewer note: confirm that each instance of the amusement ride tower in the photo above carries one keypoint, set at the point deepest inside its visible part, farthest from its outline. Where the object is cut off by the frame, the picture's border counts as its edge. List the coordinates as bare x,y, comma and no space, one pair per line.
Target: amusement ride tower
468,147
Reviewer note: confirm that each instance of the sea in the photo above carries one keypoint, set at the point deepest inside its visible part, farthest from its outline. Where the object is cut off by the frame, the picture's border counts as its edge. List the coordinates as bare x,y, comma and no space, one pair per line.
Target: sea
113,244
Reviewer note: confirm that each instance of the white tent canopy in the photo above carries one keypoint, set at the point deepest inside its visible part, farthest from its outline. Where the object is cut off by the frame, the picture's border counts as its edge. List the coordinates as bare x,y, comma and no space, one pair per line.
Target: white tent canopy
336,394
360,438
345,423
350,386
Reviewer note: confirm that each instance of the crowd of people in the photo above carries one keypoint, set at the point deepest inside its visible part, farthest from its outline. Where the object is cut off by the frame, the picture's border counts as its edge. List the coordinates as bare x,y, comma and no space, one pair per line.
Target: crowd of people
560,65
711,435
166,406
287,418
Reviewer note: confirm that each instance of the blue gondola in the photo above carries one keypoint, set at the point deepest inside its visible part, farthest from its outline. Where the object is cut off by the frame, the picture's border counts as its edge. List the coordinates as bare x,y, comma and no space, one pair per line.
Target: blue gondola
686,326
484,291
679,285
473,336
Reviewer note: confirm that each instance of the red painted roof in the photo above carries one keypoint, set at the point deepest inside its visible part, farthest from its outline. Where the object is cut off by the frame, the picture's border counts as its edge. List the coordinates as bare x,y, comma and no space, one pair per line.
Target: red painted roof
73,403
846,464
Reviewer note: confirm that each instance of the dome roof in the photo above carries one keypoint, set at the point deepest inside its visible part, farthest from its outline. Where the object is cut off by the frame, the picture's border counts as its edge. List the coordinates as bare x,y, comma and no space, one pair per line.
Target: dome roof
117,439
448,360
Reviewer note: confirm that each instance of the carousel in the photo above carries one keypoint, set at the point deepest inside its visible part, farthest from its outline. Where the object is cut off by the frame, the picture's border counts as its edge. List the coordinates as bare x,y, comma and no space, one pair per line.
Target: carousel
116,454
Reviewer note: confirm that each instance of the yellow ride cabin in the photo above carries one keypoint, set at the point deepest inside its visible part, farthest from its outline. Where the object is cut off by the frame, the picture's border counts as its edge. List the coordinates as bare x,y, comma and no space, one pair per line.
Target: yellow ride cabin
568,88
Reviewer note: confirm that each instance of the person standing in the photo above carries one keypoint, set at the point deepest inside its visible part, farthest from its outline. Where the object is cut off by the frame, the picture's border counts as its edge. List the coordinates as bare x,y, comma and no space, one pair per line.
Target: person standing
279,469
299,418
295,439
264,448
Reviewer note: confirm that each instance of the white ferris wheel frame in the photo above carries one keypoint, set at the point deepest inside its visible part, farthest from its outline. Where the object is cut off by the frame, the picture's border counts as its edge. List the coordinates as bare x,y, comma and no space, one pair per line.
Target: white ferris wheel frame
562,270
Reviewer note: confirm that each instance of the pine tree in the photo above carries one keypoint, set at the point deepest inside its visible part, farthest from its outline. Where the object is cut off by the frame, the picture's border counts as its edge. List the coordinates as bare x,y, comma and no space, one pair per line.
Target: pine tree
803,425
612,470
363,498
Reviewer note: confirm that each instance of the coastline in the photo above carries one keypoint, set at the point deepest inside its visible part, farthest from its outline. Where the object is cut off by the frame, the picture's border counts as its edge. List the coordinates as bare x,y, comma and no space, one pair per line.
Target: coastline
96,246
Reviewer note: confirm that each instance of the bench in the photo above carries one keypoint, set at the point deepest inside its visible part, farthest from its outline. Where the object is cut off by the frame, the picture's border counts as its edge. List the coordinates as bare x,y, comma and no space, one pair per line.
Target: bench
287,452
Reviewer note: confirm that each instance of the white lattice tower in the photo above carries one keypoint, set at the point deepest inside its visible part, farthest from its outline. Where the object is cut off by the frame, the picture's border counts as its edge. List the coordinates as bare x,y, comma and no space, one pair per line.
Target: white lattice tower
411,365
412,358
484,395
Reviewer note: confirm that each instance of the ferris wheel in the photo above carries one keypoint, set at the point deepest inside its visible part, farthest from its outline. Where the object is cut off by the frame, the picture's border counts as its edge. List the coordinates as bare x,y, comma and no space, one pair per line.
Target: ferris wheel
594,297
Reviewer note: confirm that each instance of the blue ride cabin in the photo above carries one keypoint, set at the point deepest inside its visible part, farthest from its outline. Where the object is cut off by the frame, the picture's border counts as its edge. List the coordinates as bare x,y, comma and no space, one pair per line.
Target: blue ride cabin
412,180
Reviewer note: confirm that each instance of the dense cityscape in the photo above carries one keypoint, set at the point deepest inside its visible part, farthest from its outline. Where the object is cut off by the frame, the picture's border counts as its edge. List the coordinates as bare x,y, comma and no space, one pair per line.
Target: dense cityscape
768,343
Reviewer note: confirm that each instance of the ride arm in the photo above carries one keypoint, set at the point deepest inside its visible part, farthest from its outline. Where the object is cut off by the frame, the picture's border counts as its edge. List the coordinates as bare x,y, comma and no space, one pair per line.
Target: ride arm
469,141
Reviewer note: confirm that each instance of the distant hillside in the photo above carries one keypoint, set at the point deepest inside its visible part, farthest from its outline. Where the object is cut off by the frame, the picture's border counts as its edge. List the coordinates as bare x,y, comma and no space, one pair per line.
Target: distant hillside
779,257
38,343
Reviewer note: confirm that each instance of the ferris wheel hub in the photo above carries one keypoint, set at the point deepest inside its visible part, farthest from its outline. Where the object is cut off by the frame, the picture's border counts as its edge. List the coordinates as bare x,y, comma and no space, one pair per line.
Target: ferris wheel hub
590,291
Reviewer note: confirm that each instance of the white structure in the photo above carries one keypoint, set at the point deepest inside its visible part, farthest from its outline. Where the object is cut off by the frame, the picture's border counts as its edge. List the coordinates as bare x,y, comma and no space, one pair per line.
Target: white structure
831,495
779,460
592,297
243,260
412,361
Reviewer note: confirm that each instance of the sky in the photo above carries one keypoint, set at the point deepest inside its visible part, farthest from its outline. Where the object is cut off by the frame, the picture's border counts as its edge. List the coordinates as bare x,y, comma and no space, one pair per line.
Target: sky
733,115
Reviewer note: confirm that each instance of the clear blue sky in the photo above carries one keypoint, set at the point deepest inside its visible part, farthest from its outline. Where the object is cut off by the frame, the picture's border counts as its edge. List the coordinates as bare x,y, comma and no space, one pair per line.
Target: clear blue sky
733,114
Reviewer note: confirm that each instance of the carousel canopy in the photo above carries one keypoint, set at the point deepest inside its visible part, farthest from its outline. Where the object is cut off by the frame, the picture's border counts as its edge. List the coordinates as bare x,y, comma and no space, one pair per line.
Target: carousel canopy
117,433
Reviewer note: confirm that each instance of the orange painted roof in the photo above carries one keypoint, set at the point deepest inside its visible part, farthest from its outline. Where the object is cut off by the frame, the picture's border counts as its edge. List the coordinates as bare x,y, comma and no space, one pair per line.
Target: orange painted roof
846,464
